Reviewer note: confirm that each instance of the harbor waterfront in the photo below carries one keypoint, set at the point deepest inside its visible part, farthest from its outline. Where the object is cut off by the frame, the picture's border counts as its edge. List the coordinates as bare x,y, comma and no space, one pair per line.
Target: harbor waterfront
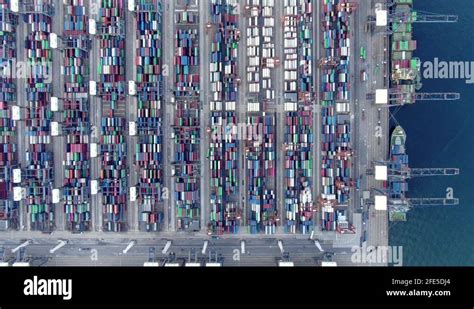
440,134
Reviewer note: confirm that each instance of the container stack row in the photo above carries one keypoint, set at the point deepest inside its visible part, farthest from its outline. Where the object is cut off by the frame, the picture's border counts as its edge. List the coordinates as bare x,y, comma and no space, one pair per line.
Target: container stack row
290,65
306,96
334,219
269,205
268,48
186,17
113,147
298,170
261,173
305,45
9,209
187,60
298,132
336,149
260,125
254,37
149,149
290,49
39,173
113,173
186,126
223,148
328,116
76,126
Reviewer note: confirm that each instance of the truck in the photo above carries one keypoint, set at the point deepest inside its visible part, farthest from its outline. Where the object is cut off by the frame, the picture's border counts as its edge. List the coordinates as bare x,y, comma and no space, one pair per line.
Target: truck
363,53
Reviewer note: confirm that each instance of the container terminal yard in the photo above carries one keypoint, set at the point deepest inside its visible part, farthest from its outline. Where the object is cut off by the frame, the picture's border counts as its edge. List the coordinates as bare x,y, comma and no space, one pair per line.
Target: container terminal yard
186,132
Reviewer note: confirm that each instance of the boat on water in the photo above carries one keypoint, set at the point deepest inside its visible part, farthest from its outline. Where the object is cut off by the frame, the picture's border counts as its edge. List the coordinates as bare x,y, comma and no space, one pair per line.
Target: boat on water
397,142
398,165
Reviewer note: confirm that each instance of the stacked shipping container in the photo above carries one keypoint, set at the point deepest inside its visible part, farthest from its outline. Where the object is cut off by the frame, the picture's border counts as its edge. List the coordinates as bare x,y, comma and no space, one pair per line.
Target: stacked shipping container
260,124
76,190
113,148
336,130
39,158
298,135
186,127
260,156
149,149
8,152
187,56
223,148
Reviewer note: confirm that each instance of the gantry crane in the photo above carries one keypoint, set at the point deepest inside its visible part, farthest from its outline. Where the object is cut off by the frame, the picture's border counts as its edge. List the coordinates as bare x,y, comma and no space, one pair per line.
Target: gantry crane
396,98
422,17
410,173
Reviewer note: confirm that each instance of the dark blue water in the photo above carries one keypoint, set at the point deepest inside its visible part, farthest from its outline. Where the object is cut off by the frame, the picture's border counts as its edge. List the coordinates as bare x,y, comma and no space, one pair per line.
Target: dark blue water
441,134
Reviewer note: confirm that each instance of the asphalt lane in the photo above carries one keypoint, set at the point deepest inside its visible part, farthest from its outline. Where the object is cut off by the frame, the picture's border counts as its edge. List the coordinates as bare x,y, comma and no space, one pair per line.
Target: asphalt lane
58,143
258,252
131,116
22,143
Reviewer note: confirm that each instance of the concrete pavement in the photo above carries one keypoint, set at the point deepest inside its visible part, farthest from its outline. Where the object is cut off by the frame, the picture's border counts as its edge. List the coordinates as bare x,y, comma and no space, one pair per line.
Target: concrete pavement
259,252
205,40
368,147
131,116
168,112
95,120
58,143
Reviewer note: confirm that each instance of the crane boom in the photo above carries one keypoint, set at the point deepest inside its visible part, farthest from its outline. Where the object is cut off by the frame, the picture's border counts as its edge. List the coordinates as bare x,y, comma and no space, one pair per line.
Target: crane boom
422,172
414,202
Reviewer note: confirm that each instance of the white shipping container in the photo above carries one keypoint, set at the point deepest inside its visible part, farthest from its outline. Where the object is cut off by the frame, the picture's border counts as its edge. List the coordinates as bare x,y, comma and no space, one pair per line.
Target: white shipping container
290,106
253,107
269,22
270,94
266,73
254,87
230,106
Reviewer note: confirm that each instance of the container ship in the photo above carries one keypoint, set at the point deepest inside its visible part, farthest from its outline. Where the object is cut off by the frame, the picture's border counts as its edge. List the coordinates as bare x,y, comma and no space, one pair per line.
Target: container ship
405,69
397,185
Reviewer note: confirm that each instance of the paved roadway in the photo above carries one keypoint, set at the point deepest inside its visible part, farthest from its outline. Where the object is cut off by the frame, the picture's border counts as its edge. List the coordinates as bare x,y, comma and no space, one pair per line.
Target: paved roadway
95,118
131,115
279,115
106,252
168,110
58,142
369,148
360,89
205,40
241,111
22,143
316,114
